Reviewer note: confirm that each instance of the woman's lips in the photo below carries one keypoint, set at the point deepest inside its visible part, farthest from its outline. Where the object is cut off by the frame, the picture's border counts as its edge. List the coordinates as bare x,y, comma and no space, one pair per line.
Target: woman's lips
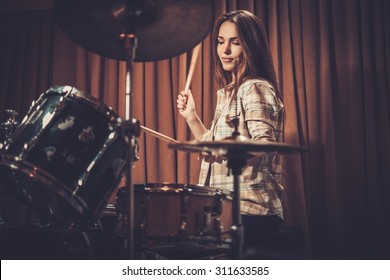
227,60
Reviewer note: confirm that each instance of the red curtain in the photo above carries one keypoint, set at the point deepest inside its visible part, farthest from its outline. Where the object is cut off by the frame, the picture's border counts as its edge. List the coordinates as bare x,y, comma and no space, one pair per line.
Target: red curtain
333,64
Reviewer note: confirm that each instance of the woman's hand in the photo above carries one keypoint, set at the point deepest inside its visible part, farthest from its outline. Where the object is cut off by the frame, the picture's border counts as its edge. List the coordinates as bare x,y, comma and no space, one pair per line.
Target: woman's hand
186,104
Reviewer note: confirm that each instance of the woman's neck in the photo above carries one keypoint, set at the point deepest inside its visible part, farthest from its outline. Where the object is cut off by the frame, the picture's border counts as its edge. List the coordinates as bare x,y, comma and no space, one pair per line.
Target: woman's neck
234,77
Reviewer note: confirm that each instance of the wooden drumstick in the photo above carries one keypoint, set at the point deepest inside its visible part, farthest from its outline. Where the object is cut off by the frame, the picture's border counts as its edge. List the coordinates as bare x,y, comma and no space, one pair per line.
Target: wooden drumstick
158,135
194,57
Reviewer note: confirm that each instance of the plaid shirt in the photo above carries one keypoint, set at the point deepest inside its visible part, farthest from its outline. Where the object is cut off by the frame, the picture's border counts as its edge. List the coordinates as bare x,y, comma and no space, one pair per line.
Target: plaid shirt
261,115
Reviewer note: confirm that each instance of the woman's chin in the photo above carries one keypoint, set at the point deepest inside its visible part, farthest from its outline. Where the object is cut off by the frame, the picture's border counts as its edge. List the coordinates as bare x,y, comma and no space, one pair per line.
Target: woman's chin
228,68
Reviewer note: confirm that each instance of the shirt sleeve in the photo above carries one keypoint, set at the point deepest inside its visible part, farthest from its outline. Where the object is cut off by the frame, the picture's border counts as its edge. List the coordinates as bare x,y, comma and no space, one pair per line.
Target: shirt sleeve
262,111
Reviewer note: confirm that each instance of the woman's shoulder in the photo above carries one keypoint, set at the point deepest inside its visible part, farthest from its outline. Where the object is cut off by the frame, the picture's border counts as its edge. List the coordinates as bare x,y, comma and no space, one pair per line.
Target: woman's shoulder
256,81
253,85
248,85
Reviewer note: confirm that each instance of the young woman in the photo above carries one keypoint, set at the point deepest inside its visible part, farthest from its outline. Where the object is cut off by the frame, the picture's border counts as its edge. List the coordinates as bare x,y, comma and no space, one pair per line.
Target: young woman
242,60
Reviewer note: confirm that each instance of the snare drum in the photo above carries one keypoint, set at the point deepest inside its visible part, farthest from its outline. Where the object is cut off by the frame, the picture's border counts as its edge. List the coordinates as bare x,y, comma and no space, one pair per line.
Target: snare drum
66,157
175,213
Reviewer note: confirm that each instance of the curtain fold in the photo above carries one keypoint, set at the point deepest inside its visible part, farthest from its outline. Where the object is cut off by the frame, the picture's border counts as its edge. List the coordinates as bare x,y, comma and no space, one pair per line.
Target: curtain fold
332,60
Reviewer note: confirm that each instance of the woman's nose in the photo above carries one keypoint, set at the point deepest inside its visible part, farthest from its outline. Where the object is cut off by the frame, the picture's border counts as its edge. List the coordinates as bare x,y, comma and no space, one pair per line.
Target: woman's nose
227,49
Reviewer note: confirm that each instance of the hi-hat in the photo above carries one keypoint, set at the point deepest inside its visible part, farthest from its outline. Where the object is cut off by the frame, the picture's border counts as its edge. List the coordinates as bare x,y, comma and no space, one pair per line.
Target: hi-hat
164,28
233,148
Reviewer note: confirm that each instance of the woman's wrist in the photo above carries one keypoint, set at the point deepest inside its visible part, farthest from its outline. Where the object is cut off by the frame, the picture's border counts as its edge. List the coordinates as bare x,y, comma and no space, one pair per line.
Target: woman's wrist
192,118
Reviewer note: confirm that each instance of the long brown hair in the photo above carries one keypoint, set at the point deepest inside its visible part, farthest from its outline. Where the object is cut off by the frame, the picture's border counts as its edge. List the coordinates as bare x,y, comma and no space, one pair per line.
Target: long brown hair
257,60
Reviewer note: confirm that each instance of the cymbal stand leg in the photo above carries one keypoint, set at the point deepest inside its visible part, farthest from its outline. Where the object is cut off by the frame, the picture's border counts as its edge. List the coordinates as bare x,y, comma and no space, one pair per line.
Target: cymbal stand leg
237,229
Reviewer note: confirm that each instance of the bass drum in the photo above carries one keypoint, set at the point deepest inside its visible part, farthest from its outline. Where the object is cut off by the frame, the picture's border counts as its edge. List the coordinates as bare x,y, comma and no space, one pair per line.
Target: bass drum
66,157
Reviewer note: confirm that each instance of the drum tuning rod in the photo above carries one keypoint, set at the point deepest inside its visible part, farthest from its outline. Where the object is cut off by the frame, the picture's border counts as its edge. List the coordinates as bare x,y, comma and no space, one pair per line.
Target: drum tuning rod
158,135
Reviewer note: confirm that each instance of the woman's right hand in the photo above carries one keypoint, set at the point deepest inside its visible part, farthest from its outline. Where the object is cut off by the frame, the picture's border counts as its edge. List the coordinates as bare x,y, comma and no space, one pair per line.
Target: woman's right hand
186,104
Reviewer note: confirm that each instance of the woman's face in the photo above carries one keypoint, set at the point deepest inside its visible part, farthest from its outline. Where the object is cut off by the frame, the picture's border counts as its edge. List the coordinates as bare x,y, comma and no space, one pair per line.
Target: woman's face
229,47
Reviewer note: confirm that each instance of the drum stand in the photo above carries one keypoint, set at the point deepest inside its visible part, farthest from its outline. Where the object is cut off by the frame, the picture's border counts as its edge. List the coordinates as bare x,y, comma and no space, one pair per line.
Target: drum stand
236,161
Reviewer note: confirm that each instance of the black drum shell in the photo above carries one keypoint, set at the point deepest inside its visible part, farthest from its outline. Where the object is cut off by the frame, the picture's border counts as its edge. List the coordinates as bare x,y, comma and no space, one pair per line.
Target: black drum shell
66,158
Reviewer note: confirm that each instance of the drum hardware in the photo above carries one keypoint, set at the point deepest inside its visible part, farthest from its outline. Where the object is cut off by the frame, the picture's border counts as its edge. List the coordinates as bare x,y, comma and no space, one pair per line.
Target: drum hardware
205,226
236,149
196,215
108,29
66,157
209,222
113,29
8,127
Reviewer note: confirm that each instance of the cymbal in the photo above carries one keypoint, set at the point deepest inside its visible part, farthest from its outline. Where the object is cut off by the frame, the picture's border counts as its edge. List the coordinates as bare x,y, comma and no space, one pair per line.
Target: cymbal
164,28
232,147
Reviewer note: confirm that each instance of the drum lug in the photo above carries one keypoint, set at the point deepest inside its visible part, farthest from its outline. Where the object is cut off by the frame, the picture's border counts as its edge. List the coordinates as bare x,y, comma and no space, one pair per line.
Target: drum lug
206,219
145,203
218,227
203,221
143,226
145,213
217,209
182,226
132,127
183,203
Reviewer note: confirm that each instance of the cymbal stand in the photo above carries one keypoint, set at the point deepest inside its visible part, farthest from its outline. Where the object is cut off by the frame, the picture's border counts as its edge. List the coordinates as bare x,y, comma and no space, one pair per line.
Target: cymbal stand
132,131
235,163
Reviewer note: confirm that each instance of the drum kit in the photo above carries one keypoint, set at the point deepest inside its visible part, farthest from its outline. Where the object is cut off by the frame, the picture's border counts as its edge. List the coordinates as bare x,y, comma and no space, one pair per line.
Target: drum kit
70,152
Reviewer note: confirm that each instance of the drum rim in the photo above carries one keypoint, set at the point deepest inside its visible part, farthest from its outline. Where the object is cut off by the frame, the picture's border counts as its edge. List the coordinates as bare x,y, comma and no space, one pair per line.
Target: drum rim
80,95
41,176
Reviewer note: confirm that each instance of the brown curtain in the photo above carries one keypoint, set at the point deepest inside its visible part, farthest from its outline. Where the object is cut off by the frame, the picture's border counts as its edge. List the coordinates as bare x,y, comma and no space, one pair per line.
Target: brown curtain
333,64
